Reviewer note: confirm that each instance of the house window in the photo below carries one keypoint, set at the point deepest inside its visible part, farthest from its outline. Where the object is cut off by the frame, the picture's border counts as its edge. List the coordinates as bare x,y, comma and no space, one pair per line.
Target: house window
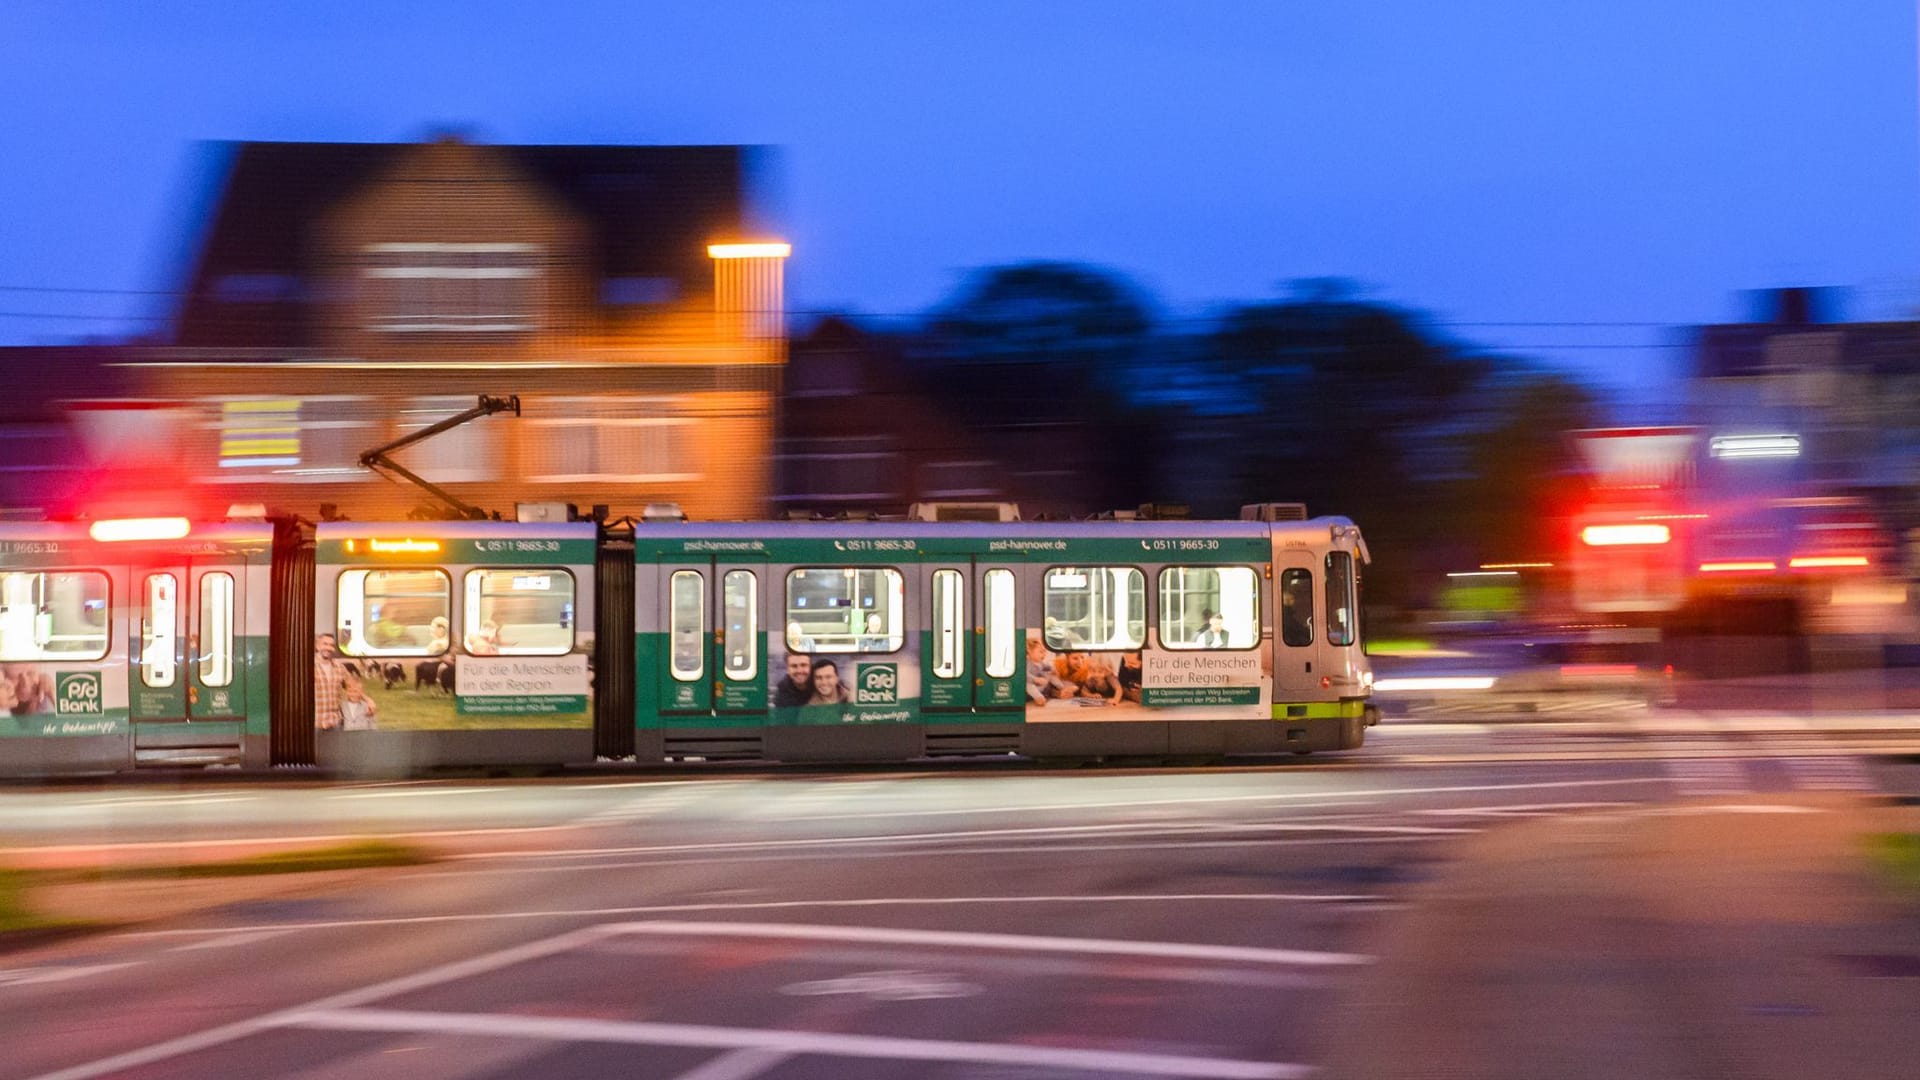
316,439
470,452
635,440
453,288
960,480
819,470
823,375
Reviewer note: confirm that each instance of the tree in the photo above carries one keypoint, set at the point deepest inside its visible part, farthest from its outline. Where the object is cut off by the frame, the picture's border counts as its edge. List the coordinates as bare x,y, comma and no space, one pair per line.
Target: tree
1521,476
1049,357
1348,407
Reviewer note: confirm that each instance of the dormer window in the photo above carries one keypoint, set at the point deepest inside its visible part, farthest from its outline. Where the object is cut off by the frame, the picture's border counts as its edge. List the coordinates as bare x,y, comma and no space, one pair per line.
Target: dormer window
442,288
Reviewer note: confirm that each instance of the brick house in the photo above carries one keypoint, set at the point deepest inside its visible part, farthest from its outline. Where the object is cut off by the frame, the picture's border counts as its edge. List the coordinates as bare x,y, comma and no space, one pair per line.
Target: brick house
344,295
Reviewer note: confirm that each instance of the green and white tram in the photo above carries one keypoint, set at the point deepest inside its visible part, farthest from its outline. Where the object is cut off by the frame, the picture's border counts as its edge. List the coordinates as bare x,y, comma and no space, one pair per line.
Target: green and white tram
402,647
892,640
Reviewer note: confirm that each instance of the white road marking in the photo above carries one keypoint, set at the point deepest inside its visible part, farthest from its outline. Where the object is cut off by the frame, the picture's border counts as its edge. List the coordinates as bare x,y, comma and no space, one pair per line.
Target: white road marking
244,937
1731,808
1829,774
1407,830
1696,777
301,839
905,985
1812,772
1521,809
558,1029
928,853
1065,832
742,1064
35,975
342,1011
776,905
958,939
652,804
413,793
156,802
607,785
1283,796
240,1029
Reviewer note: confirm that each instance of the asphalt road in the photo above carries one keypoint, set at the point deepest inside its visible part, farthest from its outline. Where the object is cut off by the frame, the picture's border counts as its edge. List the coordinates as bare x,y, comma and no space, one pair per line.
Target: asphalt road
963,923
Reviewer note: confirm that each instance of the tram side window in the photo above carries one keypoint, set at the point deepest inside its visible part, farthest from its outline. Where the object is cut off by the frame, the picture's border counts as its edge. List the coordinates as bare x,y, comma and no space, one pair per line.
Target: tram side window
158,616
1002,627
215,641
53,615
949,624
1296,607
687,624
1209,607
1098,608
518,612
1340,603
393,612
741,630
846,610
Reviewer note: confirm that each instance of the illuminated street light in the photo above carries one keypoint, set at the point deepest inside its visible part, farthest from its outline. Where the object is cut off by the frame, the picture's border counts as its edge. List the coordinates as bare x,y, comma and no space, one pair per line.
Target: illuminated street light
1754,446
750,251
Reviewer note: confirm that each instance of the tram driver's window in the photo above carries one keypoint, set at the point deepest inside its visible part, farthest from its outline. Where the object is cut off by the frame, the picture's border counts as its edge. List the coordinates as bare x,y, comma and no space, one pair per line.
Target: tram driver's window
393,612
518,612
1096,608
846,609
1209,607
53,615
1340,598
1296,607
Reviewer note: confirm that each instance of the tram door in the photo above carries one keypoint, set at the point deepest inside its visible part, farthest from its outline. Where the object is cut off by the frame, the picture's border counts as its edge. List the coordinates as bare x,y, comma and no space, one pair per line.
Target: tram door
1296,662
186,682
973,654
713,652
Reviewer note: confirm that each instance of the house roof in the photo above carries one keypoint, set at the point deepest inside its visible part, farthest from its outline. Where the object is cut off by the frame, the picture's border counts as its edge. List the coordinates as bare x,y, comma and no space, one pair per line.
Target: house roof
38,378
651,211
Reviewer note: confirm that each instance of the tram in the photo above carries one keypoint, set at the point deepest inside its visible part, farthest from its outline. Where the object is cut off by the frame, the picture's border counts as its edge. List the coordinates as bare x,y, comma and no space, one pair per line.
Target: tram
402,647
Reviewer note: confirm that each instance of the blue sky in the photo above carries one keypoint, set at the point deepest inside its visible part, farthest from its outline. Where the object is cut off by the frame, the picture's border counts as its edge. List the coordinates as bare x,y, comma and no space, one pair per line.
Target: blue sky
1489,161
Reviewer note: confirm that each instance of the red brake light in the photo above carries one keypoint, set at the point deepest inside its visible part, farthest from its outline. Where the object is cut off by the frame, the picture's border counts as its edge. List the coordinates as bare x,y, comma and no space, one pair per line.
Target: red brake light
1618,535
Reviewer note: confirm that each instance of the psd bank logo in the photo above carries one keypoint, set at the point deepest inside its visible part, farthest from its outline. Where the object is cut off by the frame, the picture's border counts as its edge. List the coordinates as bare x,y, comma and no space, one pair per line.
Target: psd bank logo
77,693
879,684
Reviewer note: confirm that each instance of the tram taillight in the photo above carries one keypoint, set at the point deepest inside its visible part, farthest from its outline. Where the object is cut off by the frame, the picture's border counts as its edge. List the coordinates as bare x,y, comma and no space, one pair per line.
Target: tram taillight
1625,535
117,530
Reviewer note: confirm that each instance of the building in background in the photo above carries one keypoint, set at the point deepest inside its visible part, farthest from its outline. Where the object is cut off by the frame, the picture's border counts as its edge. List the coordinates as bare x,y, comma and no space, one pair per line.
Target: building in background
1812,432
866,427
344,295
44,456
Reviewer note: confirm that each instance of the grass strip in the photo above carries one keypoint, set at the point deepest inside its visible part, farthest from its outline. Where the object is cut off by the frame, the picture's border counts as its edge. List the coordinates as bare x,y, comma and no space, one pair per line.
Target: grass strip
1899,855
355,856
1399,647
18,916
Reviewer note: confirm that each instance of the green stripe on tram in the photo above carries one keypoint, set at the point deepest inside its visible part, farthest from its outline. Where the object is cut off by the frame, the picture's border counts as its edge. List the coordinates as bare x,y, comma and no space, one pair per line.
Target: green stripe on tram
1344,709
